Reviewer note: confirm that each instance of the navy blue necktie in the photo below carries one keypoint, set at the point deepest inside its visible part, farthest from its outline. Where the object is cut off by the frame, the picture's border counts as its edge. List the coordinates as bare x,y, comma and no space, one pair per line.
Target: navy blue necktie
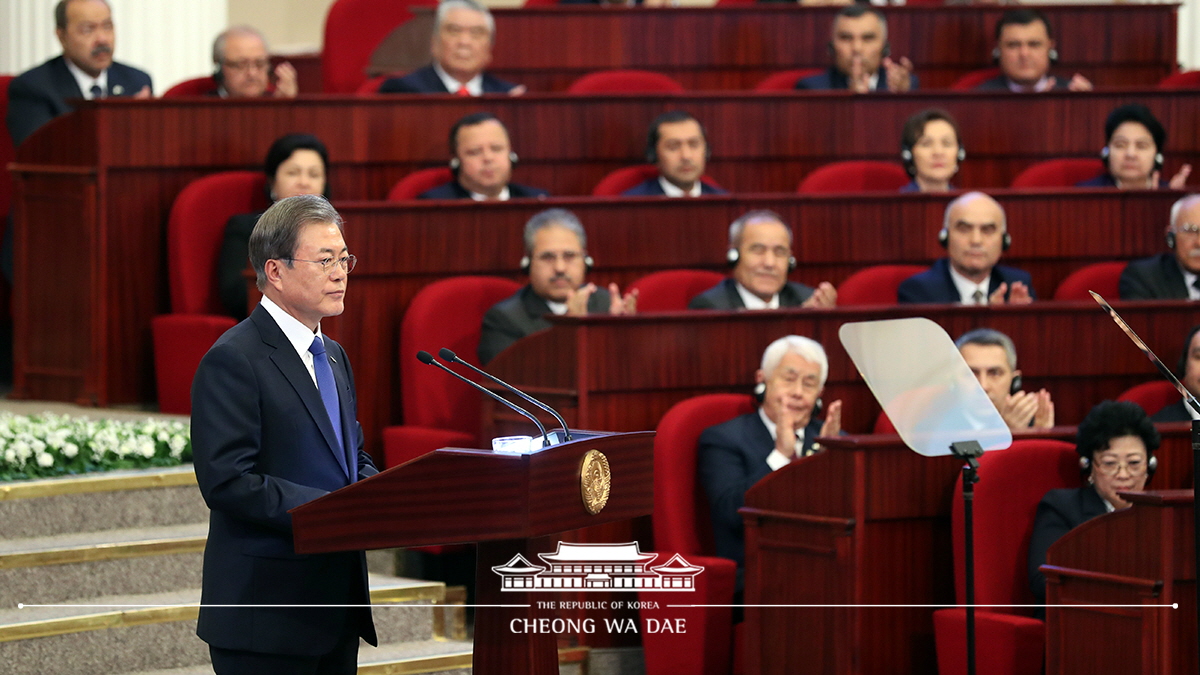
97,92
328,391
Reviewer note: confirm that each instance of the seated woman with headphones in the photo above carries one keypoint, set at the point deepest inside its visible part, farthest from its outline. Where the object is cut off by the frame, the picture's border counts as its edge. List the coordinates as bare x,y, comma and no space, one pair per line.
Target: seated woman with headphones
1116,444
931,149
1133,154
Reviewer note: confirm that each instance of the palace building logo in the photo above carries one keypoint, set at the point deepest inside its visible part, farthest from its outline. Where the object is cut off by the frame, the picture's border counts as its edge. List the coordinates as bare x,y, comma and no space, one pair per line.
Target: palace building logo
597,567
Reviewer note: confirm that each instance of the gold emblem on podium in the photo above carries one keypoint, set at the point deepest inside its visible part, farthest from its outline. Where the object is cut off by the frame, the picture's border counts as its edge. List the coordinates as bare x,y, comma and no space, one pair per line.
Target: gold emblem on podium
595,480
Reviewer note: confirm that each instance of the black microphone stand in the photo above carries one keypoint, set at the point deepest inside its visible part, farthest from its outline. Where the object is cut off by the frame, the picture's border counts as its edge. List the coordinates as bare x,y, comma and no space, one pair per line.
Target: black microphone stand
970,451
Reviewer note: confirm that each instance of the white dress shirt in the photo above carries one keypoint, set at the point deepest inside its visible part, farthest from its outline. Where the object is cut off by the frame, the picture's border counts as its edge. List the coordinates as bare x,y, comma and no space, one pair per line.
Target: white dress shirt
776,460
752,301
673,190
966,287
296,333
474,85
86,82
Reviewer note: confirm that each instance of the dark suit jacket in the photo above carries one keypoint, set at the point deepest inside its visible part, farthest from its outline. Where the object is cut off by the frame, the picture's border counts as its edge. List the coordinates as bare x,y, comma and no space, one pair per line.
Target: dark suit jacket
1106,180
725,296
232,260
935,284
1155,278
426,81
39,95
1000,83
1059,512
263,444
1176,412
833,78
732,457
652,188
521,314
453,190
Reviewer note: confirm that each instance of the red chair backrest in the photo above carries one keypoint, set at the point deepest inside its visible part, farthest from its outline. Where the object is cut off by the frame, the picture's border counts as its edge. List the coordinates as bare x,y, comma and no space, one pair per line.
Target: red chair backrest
353,29
196,229
854,176
974,79
672,290
372,85
622,179
1100,277
412,185
197,86
875,285
1011,484
624,81
1188,79
429,398
7,152
1152,396
681,512
785,81
1055,173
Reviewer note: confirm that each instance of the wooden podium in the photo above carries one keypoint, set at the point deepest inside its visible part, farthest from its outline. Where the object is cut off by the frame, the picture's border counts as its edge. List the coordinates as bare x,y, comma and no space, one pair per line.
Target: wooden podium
509,504
1143,555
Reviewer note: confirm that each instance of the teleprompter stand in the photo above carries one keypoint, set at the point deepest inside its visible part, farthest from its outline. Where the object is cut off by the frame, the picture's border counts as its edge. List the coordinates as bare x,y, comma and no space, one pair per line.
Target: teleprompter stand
970,451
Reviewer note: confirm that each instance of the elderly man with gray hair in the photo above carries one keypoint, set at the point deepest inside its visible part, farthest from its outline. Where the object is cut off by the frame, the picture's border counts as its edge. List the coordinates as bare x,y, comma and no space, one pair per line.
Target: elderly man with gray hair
557,262
463,34
242,66
992,356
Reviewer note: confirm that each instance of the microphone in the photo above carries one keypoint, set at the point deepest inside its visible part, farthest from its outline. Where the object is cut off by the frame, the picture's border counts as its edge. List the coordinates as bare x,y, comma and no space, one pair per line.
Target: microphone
451,356
427,358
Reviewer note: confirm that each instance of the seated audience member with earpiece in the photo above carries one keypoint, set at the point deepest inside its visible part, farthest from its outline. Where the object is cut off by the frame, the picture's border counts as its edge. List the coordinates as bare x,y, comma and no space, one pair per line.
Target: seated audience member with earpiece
735,455
1116,444
760,253
974,233
1175,274
1188,372
677,144
1025,51
242,67
295,165
1133,152
931,150
861,54
482,160
992,357
557,263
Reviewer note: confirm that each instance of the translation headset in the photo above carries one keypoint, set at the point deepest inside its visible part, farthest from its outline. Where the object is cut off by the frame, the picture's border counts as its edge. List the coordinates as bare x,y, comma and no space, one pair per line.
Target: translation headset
732,256
760,394
1085,466
456,163
906,156
1053,54
1015,386
526,262
944,240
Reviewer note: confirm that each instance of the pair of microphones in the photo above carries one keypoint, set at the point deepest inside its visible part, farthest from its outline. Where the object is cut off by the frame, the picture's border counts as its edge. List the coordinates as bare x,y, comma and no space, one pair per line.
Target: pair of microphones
427,358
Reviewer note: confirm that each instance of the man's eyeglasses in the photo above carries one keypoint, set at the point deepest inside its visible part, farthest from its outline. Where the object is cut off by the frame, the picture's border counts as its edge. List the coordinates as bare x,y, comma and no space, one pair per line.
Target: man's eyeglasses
347,263
247,65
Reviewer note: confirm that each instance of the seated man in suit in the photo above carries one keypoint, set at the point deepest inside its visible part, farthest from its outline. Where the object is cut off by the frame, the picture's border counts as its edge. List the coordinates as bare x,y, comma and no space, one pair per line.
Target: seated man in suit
861,60
1174,275
677,144
1025,51
463,34
241,63
482,159
557,263
974,234
84,70
1188,372
760,252
735,455
992,356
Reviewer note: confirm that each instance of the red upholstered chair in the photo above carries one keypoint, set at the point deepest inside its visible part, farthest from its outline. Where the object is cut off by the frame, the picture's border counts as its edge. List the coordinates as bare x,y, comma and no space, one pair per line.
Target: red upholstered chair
194,233
1188,79
439,412
1009,641
197,86
785,81
419,181
672,290
1152,396
1058,173
681,525
855,176
883,425
1100,277
624,82
875,285
974,79
372,85
353,29
621,180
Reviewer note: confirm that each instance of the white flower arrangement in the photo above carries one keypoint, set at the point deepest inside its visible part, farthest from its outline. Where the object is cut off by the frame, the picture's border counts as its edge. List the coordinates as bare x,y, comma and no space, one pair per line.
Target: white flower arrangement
44,446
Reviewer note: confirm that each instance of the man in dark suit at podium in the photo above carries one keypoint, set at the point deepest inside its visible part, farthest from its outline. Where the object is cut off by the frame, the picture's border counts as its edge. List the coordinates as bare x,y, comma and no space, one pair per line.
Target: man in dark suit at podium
84,70
273,427
1175,274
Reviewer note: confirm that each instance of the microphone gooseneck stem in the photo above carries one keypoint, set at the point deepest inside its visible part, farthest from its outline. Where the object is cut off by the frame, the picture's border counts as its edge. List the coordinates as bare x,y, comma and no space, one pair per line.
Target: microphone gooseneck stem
451,356
427,358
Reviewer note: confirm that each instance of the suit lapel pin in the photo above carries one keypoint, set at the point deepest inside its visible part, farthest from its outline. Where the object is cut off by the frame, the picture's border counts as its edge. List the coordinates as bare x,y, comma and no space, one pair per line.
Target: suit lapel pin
117,90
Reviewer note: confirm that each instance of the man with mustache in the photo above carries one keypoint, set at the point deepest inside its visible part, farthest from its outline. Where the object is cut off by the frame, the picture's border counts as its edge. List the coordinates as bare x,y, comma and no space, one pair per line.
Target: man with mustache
481,159
677,144
557,263
84,70
1175,274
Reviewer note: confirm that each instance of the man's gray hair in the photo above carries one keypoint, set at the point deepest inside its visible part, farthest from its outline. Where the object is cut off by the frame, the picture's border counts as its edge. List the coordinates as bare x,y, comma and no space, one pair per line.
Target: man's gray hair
807,348
1178,207
218,48
989,337
553,218
737,226
445,6
276,232
60,13
963,199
